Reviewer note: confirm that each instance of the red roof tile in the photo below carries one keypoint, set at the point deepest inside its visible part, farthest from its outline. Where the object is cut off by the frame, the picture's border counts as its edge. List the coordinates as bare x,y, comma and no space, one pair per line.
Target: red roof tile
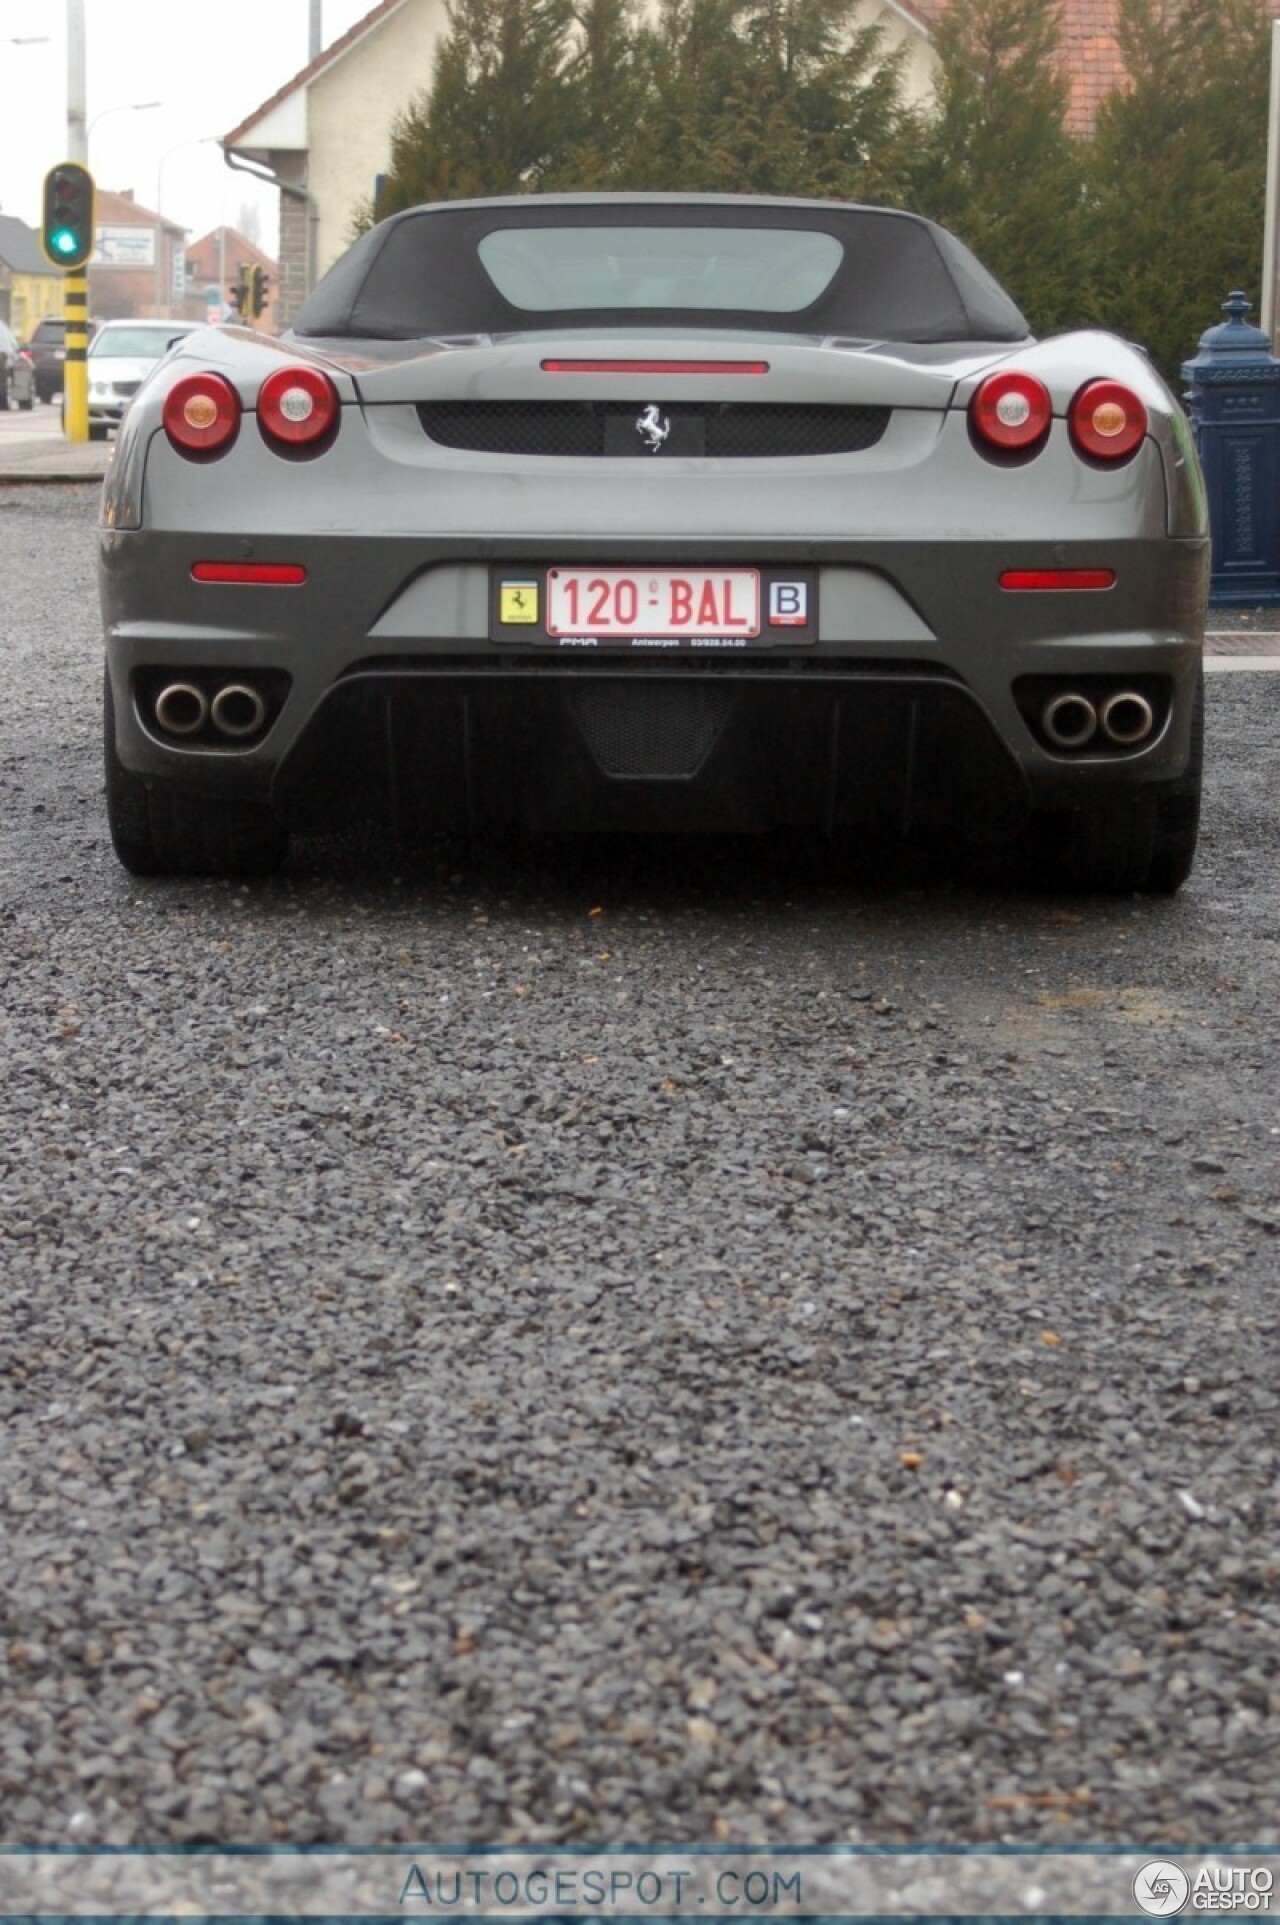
1090,52
223,248
123,210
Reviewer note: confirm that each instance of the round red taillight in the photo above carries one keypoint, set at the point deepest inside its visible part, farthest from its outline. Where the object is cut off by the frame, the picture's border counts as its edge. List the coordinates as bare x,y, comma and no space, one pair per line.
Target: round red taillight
1107,421
202,414
297,407
1012,412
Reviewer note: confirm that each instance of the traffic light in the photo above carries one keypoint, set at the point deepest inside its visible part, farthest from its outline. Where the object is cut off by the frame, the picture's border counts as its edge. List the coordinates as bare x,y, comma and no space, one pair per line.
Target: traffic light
259,290
66,233
238,296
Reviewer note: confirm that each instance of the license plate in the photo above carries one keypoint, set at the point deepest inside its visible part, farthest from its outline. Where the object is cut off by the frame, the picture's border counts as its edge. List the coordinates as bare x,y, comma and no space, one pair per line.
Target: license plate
666,604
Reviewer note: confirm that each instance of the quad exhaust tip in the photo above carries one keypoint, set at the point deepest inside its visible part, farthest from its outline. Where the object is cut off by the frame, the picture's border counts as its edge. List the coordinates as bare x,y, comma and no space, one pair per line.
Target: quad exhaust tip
1071,720
236,711
182,708
1127,718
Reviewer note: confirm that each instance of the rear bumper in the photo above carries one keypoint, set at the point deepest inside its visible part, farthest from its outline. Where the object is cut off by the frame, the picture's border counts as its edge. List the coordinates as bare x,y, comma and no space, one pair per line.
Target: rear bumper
904,710
627,749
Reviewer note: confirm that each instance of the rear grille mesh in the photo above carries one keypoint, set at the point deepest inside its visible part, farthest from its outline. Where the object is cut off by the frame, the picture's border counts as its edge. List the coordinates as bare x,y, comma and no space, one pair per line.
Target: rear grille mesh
714,430
662,730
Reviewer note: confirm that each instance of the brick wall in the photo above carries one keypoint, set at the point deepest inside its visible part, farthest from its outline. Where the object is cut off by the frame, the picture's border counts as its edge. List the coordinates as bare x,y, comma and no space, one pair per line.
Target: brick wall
294,218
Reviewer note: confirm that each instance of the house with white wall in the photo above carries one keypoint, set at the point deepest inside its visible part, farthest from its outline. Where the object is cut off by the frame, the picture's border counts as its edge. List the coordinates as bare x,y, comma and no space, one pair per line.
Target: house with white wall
325,136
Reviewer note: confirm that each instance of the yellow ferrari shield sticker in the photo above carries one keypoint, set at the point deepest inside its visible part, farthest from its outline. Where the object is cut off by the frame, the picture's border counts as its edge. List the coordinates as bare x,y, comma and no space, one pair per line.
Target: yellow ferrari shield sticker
518,602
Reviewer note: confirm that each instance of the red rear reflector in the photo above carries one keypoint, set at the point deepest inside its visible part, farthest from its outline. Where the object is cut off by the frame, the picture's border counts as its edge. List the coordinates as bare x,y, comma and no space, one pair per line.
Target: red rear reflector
261,574
1035,580
655,367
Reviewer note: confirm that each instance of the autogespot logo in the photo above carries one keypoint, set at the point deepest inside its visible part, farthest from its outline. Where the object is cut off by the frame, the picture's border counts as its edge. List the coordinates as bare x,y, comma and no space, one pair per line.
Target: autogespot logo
1161,1888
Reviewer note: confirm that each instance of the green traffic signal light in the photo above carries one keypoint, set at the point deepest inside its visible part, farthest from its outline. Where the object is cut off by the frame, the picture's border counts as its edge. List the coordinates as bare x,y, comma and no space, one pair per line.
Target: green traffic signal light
66,229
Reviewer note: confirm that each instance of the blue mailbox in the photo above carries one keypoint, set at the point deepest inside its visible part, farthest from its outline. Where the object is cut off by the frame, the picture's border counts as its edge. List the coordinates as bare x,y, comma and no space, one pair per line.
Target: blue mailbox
1235,415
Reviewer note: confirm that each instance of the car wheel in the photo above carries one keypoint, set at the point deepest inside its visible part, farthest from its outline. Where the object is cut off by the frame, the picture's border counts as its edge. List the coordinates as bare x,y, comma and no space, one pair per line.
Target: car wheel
1178,821
1108,849
1138,842
128,814
25,407
157,831
96,431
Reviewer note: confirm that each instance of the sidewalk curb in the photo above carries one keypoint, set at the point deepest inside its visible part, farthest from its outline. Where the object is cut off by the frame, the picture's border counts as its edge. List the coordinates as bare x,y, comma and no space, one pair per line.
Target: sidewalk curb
26,478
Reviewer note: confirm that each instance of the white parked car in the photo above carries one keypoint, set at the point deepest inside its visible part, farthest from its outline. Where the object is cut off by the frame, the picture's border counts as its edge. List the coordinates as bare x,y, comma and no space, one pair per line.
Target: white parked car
121,356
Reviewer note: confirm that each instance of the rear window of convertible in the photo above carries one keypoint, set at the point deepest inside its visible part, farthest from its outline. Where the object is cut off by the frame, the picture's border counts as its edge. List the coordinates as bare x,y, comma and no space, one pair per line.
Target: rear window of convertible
758,269
810,268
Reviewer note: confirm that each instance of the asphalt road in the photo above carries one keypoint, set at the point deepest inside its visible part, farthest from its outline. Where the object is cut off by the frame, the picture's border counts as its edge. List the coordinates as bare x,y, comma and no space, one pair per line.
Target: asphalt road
627,1344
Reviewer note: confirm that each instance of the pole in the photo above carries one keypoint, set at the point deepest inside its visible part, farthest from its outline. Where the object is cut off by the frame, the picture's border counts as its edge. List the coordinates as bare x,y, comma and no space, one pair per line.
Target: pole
315,35
1272,217
77,133
75,373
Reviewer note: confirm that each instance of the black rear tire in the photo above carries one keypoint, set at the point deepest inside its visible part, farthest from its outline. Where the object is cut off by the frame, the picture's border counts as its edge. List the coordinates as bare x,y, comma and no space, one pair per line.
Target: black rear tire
1178,821
1134,843
157,831
1108,850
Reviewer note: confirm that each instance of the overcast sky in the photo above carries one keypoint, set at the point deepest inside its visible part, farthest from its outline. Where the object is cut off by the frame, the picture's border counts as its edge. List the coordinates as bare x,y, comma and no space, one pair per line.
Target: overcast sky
208,62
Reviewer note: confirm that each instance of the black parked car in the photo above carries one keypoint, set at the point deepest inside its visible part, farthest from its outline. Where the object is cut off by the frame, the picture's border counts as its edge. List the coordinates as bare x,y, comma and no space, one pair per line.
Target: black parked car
48,350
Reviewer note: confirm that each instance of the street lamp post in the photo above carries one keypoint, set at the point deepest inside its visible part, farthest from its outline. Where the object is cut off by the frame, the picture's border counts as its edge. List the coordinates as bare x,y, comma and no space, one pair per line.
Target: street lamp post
77,139
126,107
201,140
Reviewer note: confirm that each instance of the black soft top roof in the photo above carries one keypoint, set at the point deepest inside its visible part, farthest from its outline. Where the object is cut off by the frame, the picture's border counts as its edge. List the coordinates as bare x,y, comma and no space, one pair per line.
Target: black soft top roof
419,274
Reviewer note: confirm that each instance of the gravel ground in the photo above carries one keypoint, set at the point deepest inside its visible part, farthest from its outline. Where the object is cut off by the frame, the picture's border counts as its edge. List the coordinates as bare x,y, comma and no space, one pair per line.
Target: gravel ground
1245,620
627,1345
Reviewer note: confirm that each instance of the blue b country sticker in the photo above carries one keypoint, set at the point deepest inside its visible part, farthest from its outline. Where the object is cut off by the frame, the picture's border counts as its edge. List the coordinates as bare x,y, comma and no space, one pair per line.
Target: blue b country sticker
788,604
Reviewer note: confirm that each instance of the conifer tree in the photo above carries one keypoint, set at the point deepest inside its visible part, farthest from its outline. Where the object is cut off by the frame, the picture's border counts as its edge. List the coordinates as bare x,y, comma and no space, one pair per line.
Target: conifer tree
735,96
769,96
491,119
1178,171
601,102
996,164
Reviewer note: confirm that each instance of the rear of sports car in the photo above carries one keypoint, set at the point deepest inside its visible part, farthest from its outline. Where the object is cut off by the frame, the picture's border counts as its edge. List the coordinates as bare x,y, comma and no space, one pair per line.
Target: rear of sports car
657,513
